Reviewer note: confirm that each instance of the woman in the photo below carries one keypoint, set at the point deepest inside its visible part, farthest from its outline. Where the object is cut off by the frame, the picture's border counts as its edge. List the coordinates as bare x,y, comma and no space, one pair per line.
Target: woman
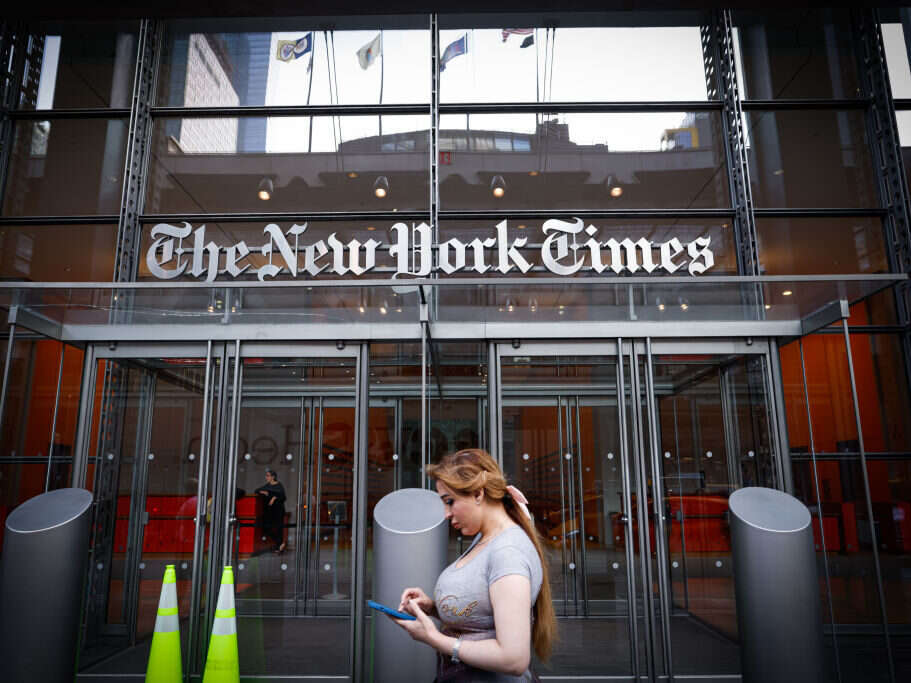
495,599
274,510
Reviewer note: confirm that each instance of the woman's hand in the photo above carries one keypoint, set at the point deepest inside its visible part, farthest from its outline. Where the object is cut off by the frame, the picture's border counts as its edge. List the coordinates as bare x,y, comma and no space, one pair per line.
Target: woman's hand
272,501
422,628
419,596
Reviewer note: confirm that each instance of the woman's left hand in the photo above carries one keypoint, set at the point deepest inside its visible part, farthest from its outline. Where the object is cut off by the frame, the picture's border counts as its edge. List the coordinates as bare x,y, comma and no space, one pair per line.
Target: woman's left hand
422,628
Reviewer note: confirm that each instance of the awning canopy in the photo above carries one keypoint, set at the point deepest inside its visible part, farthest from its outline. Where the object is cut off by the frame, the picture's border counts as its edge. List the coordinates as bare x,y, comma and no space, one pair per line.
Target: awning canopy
456,308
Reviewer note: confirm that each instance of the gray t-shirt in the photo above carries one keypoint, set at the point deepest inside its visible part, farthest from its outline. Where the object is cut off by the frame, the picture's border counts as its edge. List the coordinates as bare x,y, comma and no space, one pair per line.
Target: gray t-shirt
462,594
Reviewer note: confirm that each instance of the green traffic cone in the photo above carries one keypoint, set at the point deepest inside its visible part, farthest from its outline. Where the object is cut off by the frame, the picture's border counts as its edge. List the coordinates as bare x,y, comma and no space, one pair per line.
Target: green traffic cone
164,657
221,663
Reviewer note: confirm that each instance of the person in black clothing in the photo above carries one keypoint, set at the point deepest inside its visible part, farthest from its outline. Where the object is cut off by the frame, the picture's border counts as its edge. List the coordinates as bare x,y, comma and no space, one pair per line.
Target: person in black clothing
274,510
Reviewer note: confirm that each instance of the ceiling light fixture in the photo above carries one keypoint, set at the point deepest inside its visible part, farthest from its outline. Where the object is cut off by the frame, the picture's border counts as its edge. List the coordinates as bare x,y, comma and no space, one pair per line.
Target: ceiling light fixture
352,174
497,186
381,187
787,292
265,189
613,187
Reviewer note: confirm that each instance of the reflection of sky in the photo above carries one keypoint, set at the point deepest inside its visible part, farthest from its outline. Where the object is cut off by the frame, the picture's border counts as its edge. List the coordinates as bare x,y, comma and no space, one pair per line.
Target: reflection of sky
582,64
588,64
899,75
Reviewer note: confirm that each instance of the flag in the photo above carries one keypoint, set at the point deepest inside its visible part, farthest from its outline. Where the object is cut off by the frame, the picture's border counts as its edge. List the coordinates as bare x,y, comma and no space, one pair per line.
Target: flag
367,55
453,50
528,41
506,32
292,49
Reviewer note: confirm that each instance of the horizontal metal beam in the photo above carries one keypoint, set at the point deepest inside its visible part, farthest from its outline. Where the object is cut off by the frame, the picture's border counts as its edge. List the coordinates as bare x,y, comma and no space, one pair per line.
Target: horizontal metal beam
71,113
292,110
606,330
587,214
59,220
819,213
578,107
412,331
285,217
171,332
884,279
808,103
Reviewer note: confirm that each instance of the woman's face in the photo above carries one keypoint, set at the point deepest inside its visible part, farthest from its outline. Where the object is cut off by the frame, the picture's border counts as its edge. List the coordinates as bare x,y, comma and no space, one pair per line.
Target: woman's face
463,512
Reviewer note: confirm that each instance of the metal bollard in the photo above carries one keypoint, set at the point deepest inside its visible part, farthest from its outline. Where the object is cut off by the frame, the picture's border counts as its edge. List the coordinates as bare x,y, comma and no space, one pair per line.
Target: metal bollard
41,583
777,588
410,535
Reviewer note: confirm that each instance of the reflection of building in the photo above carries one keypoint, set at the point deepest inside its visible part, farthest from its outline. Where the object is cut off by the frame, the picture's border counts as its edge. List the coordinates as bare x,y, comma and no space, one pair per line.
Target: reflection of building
219,70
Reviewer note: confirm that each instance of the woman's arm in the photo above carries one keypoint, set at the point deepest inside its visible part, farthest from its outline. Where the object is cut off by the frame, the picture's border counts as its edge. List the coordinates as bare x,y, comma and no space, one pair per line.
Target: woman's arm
510,651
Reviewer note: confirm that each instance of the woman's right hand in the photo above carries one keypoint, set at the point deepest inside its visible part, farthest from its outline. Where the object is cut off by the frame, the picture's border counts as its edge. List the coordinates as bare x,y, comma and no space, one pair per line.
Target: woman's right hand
417,594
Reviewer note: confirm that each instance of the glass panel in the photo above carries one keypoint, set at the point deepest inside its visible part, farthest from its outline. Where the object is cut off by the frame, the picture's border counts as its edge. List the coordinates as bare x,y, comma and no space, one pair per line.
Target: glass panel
562,450
840,501
285,62
54,253
897,59
810,159
149,455
821,245
83,65
884,403
31,395
891,489
615,56
713,438
66,166
292,547
803,53
646,160
347,163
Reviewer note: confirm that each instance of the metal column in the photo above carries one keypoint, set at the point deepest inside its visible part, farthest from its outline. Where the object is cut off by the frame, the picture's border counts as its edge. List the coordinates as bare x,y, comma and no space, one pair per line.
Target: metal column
845,313
359,515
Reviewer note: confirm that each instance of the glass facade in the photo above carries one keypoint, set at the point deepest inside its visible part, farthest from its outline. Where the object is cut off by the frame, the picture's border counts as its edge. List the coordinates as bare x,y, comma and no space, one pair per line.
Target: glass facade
646,259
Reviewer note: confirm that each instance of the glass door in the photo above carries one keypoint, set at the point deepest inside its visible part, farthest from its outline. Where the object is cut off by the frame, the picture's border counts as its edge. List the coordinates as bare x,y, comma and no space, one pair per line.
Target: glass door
144,466
562,445
631,494
289,480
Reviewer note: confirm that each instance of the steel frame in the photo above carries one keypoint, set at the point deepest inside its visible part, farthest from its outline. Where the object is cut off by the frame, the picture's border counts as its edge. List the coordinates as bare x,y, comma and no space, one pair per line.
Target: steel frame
721,81
882,132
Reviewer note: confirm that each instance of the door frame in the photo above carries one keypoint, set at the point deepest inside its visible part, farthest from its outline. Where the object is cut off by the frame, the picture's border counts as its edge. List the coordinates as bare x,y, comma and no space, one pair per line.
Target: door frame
637,449
223,381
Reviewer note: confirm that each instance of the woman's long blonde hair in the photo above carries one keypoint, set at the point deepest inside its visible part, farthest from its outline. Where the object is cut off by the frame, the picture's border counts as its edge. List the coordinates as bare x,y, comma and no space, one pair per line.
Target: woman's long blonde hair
472,469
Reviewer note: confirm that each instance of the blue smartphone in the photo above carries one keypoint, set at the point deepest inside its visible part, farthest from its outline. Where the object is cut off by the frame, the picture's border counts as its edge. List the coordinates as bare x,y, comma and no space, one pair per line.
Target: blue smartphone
388,610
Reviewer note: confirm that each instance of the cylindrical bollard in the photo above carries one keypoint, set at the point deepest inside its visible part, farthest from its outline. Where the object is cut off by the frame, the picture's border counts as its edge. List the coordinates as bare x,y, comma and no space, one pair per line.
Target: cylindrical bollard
777,588
41,575
410,534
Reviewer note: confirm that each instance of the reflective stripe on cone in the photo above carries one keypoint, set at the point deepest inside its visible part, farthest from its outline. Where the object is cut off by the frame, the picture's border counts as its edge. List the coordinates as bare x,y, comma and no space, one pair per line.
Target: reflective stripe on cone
164,657
221,663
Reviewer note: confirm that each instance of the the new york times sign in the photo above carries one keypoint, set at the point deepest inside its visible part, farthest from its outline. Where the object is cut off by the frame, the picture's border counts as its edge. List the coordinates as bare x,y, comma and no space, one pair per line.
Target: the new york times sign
568,246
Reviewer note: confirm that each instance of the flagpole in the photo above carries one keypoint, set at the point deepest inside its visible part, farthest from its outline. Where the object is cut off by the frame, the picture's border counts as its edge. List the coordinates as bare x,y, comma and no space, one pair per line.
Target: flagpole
309,89
382,69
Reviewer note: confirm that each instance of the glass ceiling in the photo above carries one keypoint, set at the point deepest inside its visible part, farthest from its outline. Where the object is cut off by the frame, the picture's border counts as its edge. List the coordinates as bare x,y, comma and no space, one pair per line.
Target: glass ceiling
630,300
